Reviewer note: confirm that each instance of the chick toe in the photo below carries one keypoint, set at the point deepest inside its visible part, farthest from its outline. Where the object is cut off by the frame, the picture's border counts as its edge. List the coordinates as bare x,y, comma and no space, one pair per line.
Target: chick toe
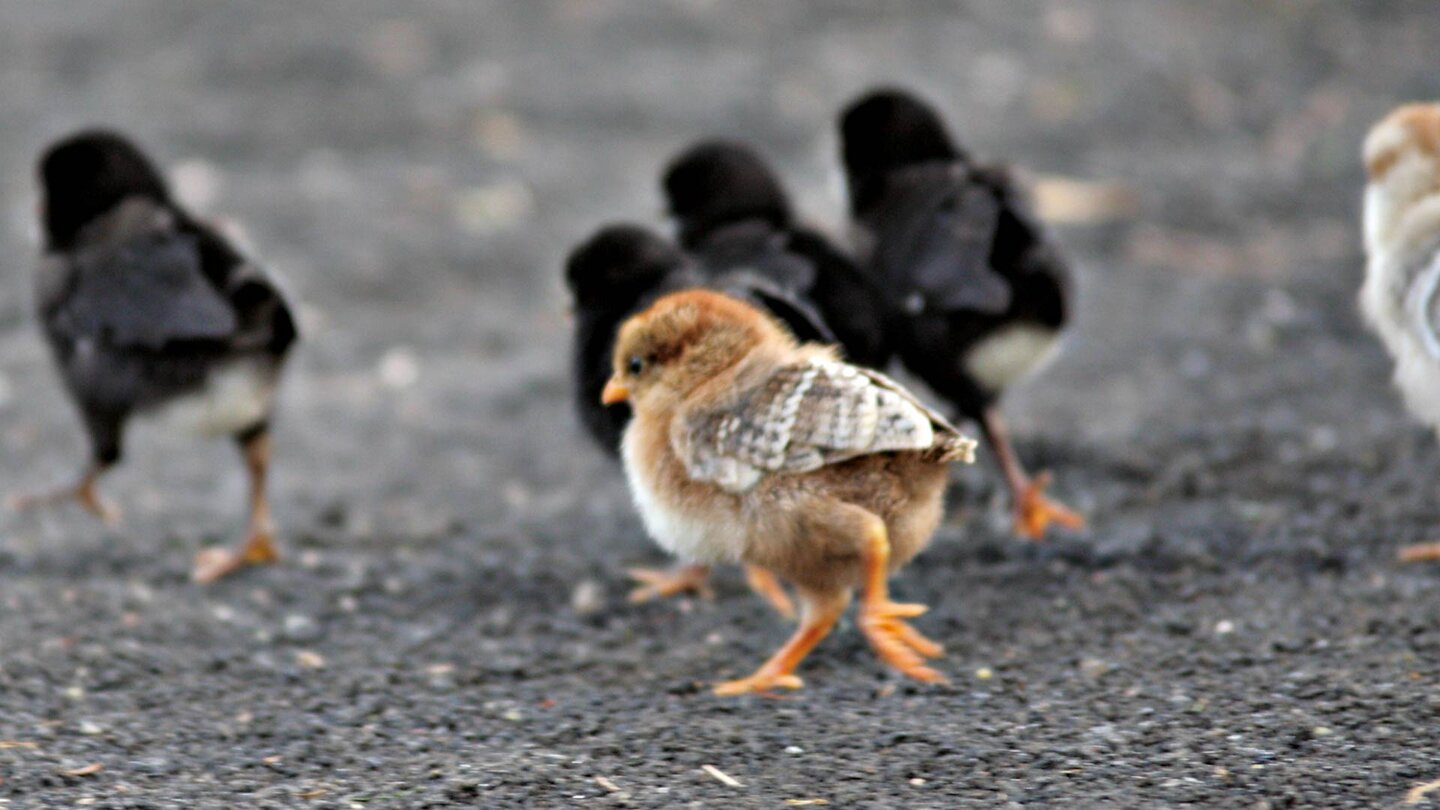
897,643
664,583
759,683
214,563
83,493
1035,512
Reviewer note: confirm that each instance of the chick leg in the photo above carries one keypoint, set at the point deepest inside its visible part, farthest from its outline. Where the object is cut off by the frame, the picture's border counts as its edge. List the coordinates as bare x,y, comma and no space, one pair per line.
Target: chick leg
883,621
1033,511
82,492
768,586
259,544
818,614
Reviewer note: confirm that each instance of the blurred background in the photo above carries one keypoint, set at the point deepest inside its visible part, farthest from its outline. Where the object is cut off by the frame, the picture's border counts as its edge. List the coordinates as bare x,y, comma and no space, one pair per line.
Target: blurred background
417,174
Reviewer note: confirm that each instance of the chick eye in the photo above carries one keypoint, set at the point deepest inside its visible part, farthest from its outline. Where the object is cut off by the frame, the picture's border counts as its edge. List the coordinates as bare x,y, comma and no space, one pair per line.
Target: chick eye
635,365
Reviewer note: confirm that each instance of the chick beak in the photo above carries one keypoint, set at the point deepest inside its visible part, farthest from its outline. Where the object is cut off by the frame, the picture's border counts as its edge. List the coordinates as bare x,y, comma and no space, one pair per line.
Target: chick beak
615,392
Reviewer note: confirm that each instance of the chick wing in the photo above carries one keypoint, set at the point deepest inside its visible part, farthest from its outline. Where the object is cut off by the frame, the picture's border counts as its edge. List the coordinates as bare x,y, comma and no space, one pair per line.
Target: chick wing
805,416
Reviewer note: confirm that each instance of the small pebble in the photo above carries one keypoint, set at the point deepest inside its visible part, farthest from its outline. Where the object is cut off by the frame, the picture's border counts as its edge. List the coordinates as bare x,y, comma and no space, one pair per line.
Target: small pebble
398,369
310,660
301,628
588,598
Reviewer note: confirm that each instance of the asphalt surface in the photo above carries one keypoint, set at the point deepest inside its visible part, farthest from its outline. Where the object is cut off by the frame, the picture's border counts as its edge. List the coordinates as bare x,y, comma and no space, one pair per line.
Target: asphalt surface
450,627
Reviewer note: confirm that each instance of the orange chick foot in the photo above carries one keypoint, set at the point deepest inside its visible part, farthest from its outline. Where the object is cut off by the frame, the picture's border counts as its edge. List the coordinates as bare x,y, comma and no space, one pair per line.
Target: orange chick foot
762,682
215,563
657,584
897,643
1034,512
1420,552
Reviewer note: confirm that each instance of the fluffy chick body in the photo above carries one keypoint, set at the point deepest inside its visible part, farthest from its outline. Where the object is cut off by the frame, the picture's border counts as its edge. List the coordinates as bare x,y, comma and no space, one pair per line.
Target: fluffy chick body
798,526
748,447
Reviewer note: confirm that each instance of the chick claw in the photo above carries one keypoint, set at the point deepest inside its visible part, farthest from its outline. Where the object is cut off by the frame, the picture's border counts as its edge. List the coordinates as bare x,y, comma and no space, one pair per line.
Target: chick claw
1035,512
760,683
84,495
657,583
897,643
215,563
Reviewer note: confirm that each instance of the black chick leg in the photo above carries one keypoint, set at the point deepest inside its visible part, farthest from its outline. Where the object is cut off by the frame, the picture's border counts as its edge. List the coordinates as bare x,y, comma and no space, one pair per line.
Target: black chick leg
106,431
258,547
1033,511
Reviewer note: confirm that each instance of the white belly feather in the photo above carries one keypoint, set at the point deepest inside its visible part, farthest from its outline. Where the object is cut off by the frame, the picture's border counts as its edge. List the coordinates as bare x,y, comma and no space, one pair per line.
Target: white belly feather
678,531
235,397
1009,354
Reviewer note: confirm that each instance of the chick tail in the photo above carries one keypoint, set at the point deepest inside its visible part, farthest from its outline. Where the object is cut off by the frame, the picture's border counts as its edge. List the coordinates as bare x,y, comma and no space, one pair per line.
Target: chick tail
951,448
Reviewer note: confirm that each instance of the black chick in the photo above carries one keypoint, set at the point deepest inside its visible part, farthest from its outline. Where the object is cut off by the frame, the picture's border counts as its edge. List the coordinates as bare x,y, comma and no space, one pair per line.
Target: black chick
618,272
146,309
978,293
734,217
614,274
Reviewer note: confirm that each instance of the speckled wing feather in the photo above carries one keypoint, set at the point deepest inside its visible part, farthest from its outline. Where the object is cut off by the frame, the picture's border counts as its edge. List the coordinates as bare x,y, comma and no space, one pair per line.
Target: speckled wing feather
806,416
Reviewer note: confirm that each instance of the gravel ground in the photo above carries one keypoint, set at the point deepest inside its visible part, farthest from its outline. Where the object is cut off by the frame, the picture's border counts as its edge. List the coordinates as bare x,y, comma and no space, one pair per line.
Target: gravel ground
451,627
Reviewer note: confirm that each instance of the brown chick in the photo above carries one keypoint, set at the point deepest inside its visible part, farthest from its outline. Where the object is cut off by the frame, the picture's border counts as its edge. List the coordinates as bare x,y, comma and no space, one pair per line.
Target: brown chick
748,447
